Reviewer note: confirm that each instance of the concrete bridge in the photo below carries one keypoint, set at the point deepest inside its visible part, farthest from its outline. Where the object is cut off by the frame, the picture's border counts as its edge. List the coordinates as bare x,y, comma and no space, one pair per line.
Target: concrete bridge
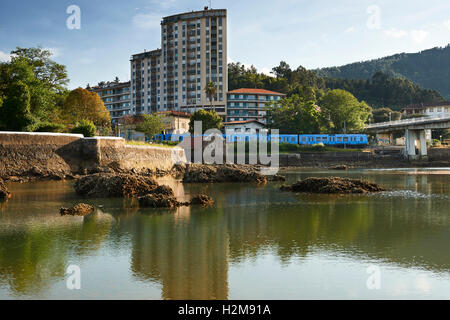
416,144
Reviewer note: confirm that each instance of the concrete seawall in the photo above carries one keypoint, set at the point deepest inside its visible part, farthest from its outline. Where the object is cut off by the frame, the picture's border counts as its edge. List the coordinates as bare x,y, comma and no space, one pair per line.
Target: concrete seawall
59,155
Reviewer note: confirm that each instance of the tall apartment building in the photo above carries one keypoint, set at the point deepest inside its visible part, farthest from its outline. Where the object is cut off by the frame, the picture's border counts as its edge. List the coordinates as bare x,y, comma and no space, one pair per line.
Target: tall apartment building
116,97
250,104
193,52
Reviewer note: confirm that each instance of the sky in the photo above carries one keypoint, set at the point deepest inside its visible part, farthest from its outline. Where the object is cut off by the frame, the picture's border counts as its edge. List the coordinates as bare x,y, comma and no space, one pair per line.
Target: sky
313,33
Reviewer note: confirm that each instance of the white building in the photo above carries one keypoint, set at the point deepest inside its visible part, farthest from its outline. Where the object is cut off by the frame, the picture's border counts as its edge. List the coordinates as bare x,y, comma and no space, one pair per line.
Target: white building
193,53
243,127
436,109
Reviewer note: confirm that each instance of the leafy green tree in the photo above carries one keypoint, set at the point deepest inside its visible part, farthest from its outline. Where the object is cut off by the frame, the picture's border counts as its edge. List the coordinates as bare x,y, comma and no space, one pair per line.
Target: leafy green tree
294,115
151,125
209,119
344,111
385,114
45,79
15,114
211,90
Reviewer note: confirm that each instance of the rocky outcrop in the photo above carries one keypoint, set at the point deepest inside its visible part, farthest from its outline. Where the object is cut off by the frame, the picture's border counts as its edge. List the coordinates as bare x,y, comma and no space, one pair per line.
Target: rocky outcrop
223,173
333,185
4,193
160,200
277,178
106,185
80,209
202,200
339,167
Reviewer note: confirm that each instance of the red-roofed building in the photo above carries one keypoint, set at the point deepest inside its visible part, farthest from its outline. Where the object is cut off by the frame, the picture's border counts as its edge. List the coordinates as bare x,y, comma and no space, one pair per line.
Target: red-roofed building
248,104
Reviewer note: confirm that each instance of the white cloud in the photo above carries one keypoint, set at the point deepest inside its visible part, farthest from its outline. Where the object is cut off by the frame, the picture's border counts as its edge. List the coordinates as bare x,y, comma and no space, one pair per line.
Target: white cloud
267,72
419,36
447,24
350,29
4,57
147,21
395,33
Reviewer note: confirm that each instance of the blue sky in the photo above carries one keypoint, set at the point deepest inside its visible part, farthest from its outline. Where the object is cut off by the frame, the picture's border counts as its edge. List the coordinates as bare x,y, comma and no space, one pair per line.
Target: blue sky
310,33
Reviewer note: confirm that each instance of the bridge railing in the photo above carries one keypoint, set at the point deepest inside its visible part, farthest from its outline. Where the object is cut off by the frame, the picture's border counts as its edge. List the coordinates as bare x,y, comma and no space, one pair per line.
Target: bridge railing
406,121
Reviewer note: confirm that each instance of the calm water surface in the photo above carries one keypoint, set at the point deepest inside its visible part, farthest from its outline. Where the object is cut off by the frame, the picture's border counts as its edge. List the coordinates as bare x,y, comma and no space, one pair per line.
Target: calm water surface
255,243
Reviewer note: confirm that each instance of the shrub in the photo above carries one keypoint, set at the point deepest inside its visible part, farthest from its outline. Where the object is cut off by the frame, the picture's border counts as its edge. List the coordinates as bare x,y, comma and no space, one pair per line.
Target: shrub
85,127
318,147
49,127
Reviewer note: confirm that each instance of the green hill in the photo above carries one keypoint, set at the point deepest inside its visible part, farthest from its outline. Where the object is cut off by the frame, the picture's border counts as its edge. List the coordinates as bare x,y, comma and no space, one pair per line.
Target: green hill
430,69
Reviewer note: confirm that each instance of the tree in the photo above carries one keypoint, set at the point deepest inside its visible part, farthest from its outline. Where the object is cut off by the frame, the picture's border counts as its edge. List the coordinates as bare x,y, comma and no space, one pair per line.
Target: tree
344,111
116,80
385,114
45,69
45,79
151,125
294,115
82,104
209,119
282,71
15,114
211,91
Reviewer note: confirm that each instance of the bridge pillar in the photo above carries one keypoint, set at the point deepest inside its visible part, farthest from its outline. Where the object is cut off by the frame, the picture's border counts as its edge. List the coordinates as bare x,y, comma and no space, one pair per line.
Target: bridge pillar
416,144
423,144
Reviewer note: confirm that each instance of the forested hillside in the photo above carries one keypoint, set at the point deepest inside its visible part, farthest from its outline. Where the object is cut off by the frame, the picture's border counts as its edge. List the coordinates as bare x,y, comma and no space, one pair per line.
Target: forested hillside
380,90
430,69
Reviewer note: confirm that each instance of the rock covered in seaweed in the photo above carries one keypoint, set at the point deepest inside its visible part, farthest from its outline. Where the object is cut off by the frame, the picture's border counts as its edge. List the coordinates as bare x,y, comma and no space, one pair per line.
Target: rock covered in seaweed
333,185
80,209
202,200
160,200
223,173
114,185
4,193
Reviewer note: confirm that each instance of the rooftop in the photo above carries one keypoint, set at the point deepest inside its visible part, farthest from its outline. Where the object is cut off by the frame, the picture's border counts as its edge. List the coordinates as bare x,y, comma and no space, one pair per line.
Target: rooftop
256,91
242,122
428,104
176,113
195,14
111,85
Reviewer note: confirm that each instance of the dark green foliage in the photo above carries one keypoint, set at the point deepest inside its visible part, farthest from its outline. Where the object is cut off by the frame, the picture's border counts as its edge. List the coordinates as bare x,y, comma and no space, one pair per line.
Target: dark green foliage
287,81
49,127
45,81
430,69
294,115
384,91
385,114
209,119
84,127
151,125
15,114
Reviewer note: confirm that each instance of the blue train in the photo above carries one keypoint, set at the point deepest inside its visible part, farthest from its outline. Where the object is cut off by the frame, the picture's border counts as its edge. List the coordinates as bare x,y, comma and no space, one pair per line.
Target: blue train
356,140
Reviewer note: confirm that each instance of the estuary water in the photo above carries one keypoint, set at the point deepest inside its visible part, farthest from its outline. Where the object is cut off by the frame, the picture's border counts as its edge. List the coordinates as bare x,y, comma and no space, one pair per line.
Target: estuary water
256,242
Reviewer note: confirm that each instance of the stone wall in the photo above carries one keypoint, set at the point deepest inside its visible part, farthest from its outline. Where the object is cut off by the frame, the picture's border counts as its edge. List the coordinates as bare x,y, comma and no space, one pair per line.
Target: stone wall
439,154
60,155
328,159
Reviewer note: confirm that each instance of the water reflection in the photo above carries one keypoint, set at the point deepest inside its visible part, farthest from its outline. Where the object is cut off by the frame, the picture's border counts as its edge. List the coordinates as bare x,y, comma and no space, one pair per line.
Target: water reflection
189,251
